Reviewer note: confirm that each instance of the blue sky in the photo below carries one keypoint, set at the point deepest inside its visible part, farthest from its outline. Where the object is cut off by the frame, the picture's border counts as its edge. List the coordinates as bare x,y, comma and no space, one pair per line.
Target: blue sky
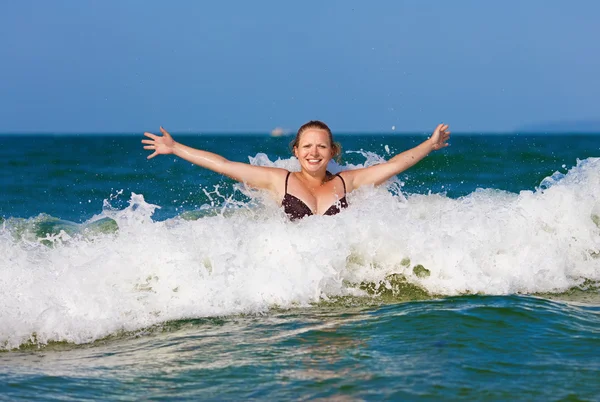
208,66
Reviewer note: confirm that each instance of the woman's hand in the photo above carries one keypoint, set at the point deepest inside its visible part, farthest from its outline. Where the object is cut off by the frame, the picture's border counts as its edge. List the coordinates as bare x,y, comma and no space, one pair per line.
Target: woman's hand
160,145
439,138
378,174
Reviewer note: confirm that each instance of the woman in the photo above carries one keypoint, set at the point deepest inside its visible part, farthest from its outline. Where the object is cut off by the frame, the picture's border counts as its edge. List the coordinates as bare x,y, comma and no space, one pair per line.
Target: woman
312,190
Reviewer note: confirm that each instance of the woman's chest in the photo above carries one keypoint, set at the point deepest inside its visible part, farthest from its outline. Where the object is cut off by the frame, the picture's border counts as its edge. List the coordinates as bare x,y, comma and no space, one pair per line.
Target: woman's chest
318,200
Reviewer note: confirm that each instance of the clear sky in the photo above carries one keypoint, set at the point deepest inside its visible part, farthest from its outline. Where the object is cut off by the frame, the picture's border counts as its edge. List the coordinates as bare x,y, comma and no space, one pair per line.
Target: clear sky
221,66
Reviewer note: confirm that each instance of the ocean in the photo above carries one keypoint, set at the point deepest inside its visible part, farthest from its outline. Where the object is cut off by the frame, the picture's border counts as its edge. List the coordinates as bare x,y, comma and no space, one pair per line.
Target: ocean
473,275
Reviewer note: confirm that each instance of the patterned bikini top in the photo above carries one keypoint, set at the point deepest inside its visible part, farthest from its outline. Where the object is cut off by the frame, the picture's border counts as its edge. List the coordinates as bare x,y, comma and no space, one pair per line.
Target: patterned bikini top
295,208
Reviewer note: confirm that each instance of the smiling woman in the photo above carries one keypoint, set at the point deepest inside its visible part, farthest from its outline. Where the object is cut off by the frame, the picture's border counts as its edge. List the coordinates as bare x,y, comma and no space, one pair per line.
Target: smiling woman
312,190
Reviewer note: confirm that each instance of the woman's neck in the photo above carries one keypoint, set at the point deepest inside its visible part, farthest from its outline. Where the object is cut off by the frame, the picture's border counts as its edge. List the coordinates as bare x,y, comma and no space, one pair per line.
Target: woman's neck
313,180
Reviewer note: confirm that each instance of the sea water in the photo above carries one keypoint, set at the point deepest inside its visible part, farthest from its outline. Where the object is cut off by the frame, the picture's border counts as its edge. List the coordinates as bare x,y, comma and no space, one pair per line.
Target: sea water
474,274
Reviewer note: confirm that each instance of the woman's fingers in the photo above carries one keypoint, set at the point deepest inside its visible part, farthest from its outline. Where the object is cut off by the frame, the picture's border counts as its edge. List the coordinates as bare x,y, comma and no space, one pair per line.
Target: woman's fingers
154,142
165,133
441,135
441,129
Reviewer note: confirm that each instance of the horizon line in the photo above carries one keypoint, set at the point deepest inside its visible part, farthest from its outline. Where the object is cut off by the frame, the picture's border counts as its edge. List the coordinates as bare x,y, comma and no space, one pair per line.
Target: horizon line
290,134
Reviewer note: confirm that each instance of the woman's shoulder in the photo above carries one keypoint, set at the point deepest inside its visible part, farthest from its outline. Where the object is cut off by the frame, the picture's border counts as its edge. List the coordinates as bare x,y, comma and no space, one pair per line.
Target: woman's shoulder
345,173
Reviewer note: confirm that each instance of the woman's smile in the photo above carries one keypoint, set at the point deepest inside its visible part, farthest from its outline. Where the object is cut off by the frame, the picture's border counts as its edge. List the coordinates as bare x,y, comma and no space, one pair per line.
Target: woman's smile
314,149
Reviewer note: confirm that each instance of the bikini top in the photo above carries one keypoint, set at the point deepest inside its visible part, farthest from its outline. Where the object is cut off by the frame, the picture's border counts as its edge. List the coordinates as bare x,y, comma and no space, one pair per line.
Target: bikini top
295,208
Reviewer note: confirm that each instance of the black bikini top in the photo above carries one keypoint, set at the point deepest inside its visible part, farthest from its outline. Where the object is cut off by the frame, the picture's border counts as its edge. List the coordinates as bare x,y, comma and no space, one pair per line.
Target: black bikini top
295,208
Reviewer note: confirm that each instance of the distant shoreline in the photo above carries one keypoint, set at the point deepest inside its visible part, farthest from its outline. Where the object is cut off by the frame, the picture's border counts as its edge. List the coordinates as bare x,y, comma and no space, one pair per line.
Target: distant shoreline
289,136
582,127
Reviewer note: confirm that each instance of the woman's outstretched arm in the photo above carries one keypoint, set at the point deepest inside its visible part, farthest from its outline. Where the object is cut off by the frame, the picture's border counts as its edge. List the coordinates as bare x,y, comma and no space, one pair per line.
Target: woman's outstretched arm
378,174
255,176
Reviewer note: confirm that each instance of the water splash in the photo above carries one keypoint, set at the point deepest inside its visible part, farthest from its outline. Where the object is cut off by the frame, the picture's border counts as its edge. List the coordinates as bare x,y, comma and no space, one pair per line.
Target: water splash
247,259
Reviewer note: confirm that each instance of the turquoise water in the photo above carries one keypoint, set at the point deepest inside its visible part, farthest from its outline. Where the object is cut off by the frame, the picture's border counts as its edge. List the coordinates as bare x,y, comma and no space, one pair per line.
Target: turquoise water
474,275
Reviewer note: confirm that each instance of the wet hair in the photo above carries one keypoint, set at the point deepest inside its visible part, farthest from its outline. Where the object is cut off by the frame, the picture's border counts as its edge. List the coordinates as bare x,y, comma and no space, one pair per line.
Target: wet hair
317,125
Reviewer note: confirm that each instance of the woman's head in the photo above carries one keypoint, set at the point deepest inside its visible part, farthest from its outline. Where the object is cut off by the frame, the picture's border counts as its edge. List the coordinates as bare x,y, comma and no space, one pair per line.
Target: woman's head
316,125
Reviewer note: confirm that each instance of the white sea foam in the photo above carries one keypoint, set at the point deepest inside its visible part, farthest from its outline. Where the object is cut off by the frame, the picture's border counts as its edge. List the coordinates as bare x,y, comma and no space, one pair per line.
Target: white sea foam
148,272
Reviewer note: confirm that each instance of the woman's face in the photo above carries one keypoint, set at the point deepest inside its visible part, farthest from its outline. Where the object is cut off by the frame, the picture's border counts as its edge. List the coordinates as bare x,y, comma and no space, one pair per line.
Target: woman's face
314,150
